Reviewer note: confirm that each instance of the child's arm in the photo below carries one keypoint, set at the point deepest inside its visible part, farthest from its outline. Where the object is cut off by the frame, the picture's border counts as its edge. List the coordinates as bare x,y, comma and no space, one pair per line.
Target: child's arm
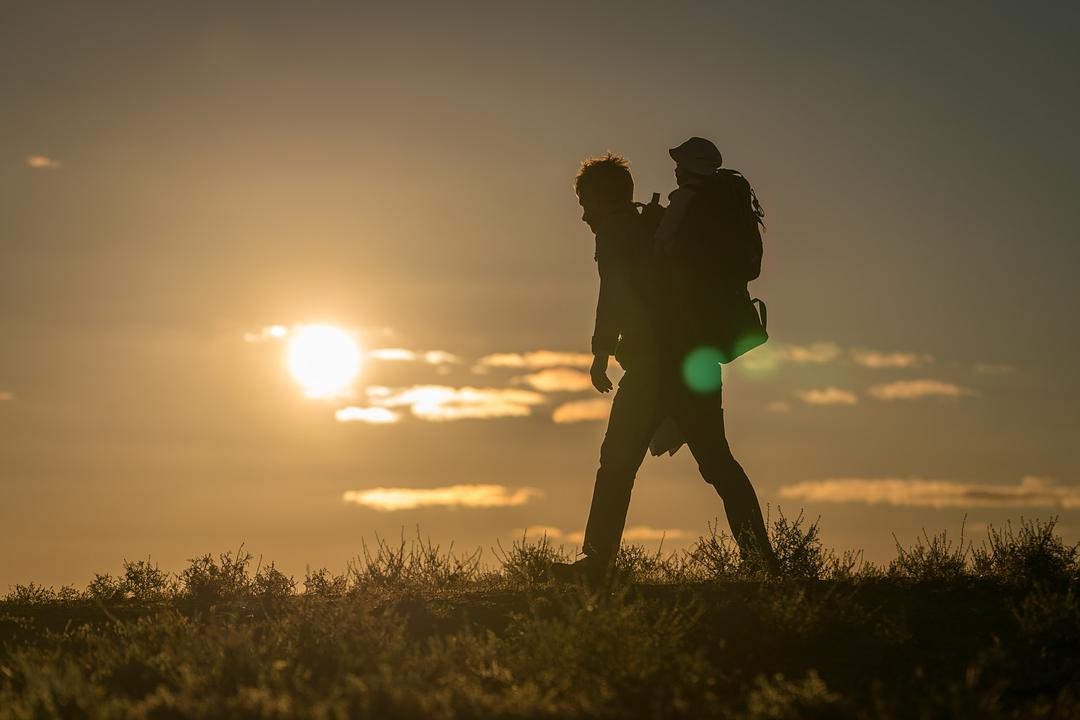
666,234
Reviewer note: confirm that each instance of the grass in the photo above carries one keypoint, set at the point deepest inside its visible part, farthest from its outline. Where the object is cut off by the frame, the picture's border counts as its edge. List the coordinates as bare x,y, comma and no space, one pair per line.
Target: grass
411,631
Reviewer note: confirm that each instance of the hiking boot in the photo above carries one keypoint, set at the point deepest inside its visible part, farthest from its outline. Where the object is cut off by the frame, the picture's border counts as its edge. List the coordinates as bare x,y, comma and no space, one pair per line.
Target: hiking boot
585,571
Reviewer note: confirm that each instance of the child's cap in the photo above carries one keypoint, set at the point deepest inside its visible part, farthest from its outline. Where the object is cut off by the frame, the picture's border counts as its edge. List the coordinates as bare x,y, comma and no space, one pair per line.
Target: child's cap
697,155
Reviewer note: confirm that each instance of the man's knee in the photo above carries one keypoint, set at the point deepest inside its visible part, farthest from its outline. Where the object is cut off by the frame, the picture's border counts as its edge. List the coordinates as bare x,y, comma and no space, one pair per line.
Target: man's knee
724,473
615,476
619,462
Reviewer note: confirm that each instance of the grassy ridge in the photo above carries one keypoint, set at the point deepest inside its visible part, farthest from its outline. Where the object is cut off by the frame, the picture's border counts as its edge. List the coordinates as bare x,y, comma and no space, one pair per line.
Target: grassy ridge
409,631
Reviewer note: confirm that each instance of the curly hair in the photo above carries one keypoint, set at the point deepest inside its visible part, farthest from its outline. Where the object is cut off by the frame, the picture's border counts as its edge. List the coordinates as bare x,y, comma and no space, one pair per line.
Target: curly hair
605,179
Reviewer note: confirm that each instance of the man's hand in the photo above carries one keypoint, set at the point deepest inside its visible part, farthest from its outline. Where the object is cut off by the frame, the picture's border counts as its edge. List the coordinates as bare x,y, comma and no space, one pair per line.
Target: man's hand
598,372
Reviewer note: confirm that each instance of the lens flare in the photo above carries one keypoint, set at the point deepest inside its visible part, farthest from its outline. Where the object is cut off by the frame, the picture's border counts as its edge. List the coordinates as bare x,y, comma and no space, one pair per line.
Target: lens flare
701,369
324,359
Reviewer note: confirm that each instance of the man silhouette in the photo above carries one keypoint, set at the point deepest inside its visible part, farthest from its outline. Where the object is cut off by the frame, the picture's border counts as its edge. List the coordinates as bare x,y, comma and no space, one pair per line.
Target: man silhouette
645,317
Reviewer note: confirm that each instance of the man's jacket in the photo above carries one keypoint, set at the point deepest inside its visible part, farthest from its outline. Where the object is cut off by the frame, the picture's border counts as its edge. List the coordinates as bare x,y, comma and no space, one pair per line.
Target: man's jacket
626,310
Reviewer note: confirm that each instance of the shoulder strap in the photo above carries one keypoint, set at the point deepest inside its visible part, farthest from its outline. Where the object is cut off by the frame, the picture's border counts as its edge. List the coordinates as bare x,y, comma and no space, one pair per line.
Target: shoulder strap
763,312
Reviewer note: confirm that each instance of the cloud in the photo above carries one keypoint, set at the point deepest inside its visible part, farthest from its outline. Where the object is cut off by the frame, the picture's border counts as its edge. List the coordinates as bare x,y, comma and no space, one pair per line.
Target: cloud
877,360
6,396
40,162
828,396
762,359
816,353
431,357
771,356
370,415
915,389
440,357
581,410
438,402
452,496
644,532
536,359
558,380
538,531
822,352
392,354
635,533
1030,492
269,332
994,369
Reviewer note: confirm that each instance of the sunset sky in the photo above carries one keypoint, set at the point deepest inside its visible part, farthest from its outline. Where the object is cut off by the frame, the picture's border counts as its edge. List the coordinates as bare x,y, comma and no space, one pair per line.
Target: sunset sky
186,188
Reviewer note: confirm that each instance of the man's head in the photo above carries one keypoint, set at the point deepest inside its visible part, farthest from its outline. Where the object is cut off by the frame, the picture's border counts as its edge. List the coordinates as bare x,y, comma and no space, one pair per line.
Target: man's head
603,184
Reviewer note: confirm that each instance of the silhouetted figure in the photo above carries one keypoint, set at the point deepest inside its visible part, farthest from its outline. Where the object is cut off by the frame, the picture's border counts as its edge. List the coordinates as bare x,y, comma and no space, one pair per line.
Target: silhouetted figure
656,307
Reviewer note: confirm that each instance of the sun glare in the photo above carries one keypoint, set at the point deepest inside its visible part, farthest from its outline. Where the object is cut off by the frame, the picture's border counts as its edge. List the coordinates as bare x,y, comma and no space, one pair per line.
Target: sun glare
325,360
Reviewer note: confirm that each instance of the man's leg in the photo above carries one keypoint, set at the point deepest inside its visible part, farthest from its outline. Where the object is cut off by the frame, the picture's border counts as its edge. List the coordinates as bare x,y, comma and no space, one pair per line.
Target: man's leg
701,418
634,417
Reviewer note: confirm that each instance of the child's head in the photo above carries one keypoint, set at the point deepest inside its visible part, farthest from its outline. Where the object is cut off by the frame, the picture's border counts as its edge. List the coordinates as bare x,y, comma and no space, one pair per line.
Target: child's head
695,158
603,184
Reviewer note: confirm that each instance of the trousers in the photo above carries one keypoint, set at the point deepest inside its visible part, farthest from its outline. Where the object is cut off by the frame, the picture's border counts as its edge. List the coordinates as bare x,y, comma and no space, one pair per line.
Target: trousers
643,399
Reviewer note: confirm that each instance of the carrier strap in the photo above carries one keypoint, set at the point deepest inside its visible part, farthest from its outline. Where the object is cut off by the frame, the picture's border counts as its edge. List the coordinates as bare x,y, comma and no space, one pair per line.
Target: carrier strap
763,312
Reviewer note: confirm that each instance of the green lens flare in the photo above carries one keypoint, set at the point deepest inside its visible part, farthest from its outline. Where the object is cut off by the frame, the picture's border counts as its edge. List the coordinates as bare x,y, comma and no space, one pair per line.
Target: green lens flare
701,369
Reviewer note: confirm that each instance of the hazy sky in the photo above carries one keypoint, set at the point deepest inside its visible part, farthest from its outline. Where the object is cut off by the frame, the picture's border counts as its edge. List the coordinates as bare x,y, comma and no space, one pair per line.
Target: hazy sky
175,177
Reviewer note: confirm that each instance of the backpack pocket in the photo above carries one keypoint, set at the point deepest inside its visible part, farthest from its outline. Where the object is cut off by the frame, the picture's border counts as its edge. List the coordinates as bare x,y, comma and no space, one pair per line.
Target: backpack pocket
739,325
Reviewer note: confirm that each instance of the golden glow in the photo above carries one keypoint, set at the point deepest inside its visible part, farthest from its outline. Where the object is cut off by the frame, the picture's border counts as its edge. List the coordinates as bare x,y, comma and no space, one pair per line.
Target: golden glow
439,402
324,359
472,496
580,410
1031,492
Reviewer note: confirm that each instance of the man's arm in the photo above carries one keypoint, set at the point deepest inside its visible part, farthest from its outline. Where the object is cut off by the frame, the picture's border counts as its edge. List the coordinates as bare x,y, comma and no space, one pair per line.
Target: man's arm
606,329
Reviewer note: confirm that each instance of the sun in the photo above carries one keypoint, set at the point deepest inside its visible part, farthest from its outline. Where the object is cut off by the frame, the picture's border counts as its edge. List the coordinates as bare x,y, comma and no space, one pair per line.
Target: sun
324,359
